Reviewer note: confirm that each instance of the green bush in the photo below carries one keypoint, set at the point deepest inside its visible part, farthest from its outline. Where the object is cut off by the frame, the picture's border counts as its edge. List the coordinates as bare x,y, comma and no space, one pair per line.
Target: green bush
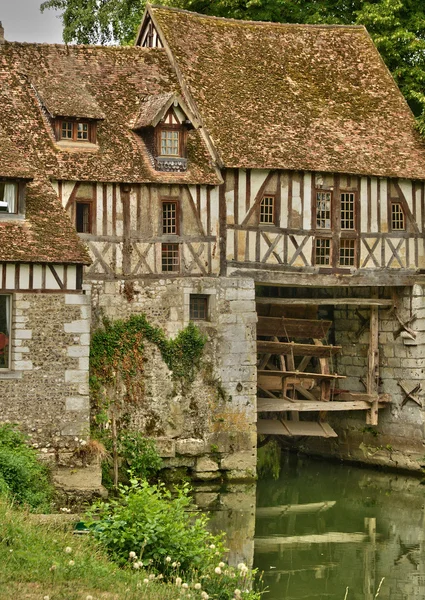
139,454
22,476
152,522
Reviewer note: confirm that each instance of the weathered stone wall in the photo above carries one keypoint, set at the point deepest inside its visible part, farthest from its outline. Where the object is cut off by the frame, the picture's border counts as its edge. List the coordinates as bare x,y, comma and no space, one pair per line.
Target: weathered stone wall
46,391
398,440
209,428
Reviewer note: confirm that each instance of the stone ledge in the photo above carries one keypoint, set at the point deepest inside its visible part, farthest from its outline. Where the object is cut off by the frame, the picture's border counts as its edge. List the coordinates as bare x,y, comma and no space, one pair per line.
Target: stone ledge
11,375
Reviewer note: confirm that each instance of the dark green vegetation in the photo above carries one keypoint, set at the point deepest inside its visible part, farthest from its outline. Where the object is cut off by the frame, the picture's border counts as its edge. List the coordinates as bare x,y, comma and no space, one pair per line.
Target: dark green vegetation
22,477
397,26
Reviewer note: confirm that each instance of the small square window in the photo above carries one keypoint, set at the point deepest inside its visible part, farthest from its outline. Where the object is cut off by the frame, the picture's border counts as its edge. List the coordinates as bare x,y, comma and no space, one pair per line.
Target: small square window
66,131
170,143
323,210
83,217
198,307
322,251
5,320
398,222
8,197
170,257
169,217
267,210
347,253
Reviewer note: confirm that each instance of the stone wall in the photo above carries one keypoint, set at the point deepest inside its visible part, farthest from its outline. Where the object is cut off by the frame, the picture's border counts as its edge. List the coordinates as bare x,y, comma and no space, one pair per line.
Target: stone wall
398,440
209,428
46,391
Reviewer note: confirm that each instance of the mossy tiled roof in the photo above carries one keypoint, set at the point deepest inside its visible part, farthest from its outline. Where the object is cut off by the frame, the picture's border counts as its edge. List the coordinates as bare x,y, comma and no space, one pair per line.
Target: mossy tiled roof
294,96
46,234
110,82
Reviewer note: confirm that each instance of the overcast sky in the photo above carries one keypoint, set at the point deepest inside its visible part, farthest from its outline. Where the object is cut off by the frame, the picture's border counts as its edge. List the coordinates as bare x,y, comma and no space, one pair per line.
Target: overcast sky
23,22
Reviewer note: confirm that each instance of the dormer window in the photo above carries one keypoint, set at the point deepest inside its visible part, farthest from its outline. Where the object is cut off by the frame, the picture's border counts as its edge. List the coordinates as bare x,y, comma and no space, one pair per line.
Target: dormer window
170,142
72,130
8,197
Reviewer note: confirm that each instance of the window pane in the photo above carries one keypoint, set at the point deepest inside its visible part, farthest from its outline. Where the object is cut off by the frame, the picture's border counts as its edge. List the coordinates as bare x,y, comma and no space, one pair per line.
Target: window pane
4,331
169,217
347,210
8,197
397,217
323,210
169,143
322,251
267,210
83,221
170,257
66,130
198,308
347,253
82,131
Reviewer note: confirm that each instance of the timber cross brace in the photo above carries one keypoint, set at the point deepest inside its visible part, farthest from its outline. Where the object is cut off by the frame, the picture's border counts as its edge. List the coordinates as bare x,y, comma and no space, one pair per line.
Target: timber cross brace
404,326
410,393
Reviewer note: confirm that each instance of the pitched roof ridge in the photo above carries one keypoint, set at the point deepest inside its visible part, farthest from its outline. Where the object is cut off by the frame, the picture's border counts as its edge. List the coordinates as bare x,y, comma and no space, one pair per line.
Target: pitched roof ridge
74,47
250,22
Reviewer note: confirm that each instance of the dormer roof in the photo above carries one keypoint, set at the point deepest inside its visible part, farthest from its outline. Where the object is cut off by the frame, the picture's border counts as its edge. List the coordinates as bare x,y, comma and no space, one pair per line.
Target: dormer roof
153,109
298,97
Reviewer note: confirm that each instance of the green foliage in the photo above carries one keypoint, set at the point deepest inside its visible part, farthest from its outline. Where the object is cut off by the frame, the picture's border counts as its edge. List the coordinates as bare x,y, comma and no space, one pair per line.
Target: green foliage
139,454
396,26
22,476
151,522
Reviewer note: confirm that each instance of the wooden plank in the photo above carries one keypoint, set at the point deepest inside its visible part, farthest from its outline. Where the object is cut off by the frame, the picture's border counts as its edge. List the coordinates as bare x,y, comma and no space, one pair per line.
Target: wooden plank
331,537
372,380
280,404
300,374
291,348
292,428
285,509
298,328
353,396
326,301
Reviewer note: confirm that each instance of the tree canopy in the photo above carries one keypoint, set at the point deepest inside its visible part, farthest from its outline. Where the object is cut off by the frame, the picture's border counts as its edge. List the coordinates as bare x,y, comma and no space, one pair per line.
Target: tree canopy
396,26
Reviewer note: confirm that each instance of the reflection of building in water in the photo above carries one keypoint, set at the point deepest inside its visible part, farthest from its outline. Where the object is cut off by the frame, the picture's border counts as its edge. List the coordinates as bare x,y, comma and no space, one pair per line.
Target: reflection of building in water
232,511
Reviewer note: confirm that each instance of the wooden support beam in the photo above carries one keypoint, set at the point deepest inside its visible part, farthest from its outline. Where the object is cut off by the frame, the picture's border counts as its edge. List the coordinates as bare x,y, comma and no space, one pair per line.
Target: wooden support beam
300,374
293,328
293,428
353,396
291,348
281,405
379,302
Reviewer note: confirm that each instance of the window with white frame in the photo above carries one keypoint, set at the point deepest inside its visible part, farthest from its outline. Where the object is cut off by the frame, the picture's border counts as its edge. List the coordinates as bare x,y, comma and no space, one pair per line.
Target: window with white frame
8,197
5,320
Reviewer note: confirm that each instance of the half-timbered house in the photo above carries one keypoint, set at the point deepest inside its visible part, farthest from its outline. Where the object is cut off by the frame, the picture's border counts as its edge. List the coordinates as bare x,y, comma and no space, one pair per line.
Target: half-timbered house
264,180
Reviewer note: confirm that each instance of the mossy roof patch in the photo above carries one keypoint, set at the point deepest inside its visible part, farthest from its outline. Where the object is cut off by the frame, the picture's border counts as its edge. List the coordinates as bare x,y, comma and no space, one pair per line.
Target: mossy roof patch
149,109
46,235
294,96
114,80
12,162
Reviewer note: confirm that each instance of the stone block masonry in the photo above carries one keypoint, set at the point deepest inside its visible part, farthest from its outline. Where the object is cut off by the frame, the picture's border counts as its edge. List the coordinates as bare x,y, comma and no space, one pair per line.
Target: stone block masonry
46,390
212,424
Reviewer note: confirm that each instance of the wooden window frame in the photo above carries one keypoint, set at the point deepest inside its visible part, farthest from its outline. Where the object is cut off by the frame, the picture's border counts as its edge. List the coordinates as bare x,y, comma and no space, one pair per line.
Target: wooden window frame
182,140
8,334
88,203
273,221
177,216
394,203
166,247
19,193
91,130
331,210
355,256
331,252
197,297
355,211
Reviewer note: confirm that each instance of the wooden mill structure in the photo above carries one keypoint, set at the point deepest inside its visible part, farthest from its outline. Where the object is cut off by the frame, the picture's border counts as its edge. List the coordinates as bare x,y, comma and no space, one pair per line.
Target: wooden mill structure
295,369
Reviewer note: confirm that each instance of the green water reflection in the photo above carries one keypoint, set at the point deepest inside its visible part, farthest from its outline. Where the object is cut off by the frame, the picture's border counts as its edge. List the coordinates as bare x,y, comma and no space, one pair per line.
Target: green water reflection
340,526
323,527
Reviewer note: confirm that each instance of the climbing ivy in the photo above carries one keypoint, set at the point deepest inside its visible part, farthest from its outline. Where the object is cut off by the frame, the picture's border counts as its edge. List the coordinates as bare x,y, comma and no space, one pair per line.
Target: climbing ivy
117,354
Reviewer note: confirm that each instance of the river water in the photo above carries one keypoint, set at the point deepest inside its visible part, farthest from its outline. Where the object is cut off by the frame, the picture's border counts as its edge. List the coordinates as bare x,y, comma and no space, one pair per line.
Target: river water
327,531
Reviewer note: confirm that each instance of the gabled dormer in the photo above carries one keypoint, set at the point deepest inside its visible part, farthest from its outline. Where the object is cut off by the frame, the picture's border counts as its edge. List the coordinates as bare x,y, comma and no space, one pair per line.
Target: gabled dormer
163,123
148,36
